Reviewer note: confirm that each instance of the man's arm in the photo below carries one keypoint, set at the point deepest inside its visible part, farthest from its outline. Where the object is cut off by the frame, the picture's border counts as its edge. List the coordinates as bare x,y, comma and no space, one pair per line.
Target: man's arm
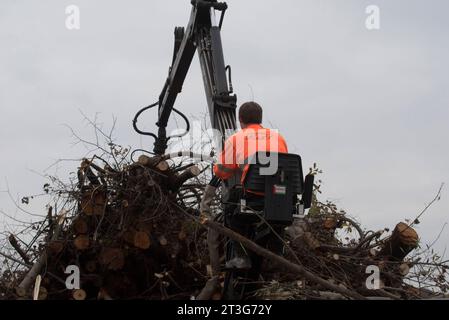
227,164
223,170
208,197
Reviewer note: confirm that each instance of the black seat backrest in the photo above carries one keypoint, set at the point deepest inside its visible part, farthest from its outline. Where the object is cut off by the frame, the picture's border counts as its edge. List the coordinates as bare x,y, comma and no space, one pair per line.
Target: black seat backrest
279,177
289,165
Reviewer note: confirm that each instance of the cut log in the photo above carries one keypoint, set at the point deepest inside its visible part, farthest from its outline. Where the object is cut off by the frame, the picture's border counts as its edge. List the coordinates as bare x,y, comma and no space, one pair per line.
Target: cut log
163,166
404,269
55,247
80,226
139,239
93,202
330,223
112,258
148,161
79,294
189,173
402,241
155,162
81,242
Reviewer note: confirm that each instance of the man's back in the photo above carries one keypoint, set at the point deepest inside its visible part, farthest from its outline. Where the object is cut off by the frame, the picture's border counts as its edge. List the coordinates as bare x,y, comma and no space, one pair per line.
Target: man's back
242,145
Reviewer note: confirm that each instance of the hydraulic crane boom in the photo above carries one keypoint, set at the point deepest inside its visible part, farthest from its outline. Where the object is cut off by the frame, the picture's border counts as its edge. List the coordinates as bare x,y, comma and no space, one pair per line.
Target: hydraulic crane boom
202,34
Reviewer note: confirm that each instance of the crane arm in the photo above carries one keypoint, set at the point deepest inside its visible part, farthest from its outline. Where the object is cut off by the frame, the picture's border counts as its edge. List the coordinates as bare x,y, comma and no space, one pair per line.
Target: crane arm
202,34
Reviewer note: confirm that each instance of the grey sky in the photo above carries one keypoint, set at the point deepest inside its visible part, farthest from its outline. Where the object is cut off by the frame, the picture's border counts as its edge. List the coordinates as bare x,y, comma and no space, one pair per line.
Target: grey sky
370,107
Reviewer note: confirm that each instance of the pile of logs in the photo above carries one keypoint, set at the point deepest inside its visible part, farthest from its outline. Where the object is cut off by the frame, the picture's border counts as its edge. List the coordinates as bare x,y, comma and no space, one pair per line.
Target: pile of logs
132,231
126,234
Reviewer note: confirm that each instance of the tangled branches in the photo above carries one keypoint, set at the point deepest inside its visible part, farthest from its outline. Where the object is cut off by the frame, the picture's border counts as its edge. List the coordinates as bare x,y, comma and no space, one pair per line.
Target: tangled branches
130,229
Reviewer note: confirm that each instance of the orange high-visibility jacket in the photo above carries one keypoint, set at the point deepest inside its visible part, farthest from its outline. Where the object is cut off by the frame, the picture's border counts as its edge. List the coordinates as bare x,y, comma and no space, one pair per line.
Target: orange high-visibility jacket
242,145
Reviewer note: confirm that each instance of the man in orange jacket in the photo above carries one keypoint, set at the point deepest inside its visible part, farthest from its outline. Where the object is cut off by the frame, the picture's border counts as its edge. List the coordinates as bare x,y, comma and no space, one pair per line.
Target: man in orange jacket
245,143
233,161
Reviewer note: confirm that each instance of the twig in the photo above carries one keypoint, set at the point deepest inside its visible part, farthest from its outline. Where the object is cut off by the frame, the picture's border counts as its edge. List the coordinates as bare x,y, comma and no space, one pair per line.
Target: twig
437,197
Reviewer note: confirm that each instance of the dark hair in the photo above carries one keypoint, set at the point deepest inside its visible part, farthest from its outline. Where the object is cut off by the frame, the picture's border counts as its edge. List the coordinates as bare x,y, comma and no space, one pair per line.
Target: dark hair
250,112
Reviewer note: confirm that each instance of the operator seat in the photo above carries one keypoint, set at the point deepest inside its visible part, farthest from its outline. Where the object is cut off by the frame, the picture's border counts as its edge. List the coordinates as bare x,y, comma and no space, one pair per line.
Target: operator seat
270,194
272,186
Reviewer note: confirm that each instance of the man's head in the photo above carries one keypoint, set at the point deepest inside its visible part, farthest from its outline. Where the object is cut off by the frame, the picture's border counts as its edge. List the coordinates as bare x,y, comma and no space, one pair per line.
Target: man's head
250,113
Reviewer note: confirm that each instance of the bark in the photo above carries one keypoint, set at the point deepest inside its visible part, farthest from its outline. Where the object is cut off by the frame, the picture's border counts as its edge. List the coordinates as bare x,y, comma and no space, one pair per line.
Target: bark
16,246
402,241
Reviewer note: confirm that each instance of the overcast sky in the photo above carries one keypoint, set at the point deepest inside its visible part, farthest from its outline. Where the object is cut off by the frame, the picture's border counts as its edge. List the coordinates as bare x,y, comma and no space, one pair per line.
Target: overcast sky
369,106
